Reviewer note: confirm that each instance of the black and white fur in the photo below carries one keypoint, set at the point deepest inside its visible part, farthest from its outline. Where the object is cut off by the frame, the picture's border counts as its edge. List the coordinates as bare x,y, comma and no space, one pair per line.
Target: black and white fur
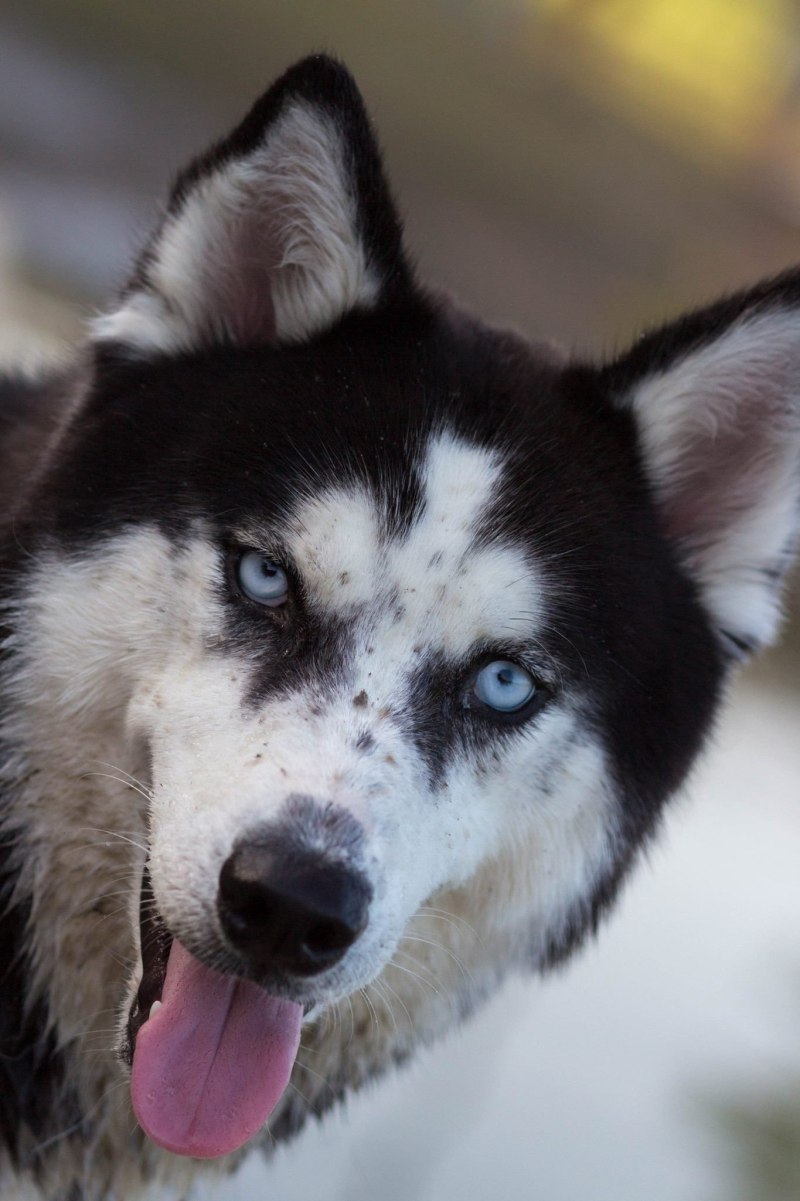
441,494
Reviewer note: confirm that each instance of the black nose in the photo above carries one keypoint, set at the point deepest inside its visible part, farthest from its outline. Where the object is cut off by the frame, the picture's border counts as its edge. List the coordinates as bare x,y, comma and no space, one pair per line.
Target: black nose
290,911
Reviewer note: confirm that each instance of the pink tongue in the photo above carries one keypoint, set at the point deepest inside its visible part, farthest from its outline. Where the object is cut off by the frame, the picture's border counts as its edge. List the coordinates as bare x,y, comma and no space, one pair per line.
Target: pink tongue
212,1063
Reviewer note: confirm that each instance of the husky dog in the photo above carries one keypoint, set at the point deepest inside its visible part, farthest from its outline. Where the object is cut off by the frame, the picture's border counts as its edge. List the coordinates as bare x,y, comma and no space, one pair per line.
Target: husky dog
351,650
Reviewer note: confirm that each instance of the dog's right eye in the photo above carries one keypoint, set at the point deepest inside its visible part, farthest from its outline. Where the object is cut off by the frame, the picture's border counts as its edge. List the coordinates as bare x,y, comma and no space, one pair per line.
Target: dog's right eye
261,580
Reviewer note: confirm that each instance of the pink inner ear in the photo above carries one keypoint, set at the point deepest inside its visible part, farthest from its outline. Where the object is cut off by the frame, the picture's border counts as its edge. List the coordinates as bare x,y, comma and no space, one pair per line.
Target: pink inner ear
726,471
240,283
720,436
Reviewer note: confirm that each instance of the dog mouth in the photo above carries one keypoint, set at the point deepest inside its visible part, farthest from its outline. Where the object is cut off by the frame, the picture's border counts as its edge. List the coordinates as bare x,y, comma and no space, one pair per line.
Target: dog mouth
156,943
210,1054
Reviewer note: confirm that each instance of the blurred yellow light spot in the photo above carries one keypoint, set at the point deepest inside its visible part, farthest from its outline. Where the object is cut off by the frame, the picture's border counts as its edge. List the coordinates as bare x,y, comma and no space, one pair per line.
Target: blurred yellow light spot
704,69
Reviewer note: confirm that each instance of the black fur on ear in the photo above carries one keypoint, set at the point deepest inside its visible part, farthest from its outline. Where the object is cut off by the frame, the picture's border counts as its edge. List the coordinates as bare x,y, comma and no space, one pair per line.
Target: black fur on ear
275,232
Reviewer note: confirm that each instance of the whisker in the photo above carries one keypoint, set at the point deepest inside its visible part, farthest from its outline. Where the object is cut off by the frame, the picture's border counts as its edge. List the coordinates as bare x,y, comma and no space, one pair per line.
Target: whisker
314,1109
393,963
453,919
133,779
55,1138
299,1063
106,775
376,986
371,1007
386,985
352,1021
115,834
439,947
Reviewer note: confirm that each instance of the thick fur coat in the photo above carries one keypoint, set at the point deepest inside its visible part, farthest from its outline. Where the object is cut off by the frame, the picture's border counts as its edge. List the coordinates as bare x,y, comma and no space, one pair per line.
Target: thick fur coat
350,652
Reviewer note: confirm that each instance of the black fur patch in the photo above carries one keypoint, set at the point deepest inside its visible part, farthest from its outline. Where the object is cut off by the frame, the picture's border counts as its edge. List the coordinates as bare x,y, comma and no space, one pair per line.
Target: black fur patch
662,347
35,1100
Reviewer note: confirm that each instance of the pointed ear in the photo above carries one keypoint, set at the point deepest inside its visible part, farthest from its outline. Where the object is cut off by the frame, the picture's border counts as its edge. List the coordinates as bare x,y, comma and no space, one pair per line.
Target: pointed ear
716,401
273,234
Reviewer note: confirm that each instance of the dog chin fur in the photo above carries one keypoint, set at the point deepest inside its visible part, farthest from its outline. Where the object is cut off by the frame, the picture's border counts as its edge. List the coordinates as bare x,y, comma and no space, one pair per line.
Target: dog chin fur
442,498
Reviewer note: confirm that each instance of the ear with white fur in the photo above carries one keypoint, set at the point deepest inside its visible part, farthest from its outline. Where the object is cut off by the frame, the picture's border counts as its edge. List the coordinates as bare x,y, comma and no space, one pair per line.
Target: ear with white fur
273,234
716,400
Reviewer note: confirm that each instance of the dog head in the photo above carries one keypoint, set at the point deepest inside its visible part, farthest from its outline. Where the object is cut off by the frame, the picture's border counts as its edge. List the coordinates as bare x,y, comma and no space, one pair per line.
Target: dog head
398,607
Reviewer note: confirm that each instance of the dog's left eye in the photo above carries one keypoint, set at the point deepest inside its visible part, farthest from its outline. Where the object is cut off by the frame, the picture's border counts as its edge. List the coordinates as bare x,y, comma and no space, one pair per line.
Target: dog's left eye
261,580
504,686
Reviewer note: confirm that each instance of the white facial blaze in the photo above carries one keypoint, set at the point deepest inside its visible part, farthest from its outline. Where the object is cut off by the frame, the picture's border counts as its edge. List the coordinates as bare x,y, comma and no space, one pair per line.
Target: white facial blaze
145,650
453,593
432,587
335,543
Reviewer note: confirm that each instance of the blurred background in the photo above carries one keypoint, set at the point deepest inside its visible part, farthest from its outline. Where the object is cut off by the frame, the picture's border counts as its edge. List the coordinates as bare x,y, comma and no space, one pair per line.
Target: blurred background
580,169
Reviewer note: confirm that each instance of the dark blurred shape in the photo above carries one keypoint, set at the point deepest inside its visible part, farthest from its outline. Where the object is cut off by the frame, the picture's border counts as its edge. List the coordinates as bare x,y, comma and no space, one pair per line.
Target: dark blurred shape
760,1138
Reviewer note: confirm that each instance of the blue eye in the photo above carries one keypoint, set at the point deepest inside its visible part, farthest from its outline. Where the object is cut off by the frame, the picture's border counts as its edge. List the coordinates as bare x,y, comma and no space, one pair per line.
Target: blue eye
504,686
262,580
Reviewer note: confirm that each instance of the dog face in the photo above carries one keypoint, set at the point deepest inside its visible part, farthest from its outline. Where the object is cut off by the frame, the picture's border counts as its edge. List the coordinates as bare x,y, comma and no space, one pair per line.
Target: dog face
392,606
